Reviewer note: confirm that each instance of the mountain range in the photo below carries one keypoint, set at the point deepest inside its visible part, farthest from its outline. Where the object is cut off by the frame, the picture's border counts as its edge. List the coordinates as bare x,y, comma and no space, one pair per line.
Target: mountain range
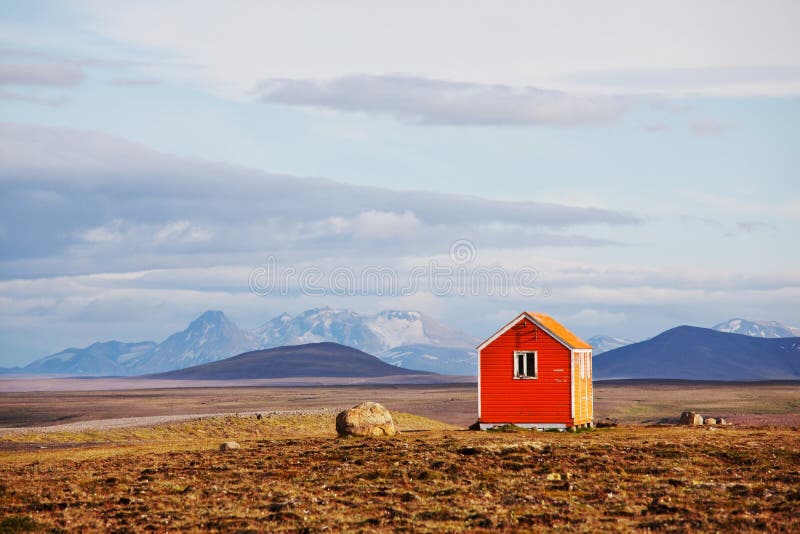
766,329
691,353
294,361
411,340
427,344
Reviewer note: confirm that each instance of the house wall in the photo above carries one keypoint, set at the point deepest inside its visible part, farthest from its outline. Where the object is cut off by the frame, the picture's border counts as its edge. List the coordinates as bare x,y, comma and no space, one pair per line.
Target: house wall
508,400
582,385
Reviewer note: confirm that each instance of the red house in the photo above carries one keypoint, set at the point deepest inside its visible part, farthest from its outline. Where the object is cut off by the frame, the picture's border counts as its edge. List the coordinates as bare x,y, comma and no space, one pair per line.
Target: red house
535,373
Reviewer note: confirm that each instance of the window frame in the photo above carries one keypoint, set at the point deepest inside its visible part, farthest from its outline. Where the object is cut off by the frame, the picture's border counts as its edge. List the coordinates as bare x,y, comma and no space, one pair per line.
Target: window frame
517,375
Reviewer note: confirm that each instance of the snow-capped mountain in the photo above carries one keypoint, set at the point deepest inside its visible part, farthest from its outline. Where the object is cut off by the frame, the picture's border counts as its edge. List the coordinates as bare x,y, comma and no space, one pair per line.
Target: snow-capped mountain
106,358
433,358
370,333
768,329
314,326
601,344
426,344
397,328
209,338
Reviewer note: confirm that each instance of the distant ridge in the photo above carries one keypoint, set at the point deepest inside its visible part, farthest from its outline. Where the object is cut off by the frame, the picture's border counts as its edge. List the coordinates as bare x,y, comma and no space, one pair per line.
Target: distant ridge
692,353
311,360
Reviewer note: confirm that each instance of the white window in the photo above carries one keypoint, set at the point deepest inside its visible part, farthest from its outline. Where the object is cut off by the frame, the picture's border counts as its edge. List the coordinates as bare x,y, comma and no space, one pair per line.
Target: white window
525,364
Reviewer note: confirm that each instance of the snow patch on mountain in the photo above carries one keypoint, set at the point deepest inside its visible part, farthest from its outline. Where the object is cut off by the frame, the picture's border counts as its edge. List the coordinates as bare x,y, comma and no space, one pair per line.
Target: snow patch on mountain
602,344
209,338
370,333
765,329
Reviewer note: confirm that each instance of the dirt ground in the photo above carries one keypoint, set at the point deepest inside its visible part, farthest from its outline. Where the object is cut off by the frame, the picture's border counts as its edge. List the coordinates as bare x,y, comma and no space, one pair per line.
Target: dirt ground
143,460
293,475
455,403
759,403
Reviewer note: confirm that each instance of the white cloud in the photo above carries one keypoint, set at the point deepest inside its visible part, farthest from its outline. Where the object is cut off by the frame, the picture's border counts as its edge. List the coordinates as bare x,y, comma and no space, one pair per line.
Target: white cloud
118,230
534,43
108,233
382,224
181,232
370,224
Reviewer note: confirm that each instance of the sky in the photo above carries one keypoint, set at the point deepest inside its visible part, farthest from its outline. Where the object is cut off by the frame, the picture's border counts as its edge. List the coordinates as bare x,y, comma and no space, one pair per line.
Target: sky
624,166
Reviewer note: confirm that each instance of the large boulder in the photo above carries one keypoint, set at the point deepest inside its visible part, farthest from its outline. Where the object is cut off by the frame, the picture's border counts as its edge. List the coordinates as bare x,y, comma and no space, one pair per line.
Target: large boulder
367,419
691,418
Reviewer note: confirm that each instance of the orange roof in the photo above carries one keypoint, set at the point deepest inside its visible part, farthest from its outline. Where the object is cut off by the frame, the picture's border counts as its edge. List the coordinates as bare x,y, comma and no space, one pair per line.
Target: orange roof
558,330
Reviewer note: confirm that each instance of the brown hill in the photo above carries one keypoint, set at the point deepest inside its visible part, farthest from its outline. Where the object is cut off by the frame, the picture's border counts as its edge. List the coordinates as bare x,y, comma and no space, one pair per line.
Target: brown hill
311,360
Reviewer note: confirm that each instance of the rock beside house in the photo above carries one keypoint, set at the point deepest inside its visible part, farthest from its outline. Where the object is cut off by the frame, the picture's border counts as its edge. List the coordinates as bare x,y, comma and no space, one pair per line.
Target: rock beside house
691,418
368,419
606,422
710,421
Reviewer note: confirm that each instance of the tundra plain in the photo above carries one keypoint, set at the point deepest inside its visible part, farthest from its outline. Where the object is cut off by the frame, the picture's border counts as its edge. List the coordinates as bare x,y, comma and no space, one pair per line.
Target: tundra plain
293,474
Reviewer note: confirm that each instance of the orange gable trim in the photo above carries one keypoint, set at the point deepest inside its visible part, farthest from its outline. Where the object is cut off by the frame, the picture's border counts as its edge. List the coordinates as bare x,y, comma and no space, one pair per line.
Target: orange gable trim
548,324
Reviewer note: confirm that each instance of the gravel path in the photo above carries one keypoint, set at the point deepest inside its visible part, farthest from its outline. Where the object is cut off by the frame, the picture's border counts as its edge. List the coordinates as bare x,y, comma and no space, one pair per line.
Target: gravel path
134,422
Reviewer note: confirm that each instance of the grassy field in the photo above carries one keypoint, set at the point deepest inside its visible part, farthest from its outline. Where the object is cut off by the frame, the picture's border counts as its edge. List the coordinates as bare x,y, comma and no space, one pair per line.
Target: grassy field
293,474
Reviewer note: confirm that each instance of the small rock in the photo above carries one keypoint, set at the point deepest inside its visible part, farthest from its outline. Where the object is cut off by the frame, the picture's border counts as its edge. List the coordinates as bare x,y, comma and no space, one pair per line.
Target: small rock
607,422
722,421
691,418
554,476
229,446
710,421
368,419
259,416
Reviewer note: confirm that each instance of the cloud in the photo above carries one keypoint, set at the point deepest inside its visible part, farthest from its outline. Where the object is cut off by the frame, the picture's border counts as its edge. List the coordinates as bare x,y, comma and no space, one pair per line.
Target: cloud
534,44
712,78
709,127
38,83
749,226
594,317
104,234
430,101
41,74
119,231
135,82
374,224
655,127
113,192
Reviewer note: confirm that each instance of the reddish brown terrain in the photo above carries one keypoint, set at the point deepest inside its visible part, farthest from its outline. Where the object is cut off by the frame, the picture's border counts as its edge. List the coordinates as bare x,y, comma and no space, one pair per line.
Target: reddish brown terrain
163,471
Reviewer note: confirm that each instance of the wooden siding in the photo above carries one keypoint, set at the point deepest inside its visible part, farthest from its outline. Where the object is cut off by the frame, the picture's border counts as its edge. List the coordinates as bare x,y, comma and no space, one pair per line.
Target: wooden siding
582,385
545,399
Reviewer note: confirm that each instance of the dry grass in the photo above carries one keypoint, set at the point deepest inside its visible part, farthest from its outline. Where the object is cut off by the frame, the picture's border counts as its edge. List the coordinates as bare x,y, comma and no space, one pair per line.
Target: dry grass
663,401
293,474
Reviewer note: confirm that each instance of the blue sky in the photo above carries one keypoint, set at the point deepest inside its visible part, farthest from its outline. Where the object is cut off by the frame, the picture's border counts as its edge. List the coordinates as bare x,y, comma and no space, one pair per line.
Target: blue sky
154,154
